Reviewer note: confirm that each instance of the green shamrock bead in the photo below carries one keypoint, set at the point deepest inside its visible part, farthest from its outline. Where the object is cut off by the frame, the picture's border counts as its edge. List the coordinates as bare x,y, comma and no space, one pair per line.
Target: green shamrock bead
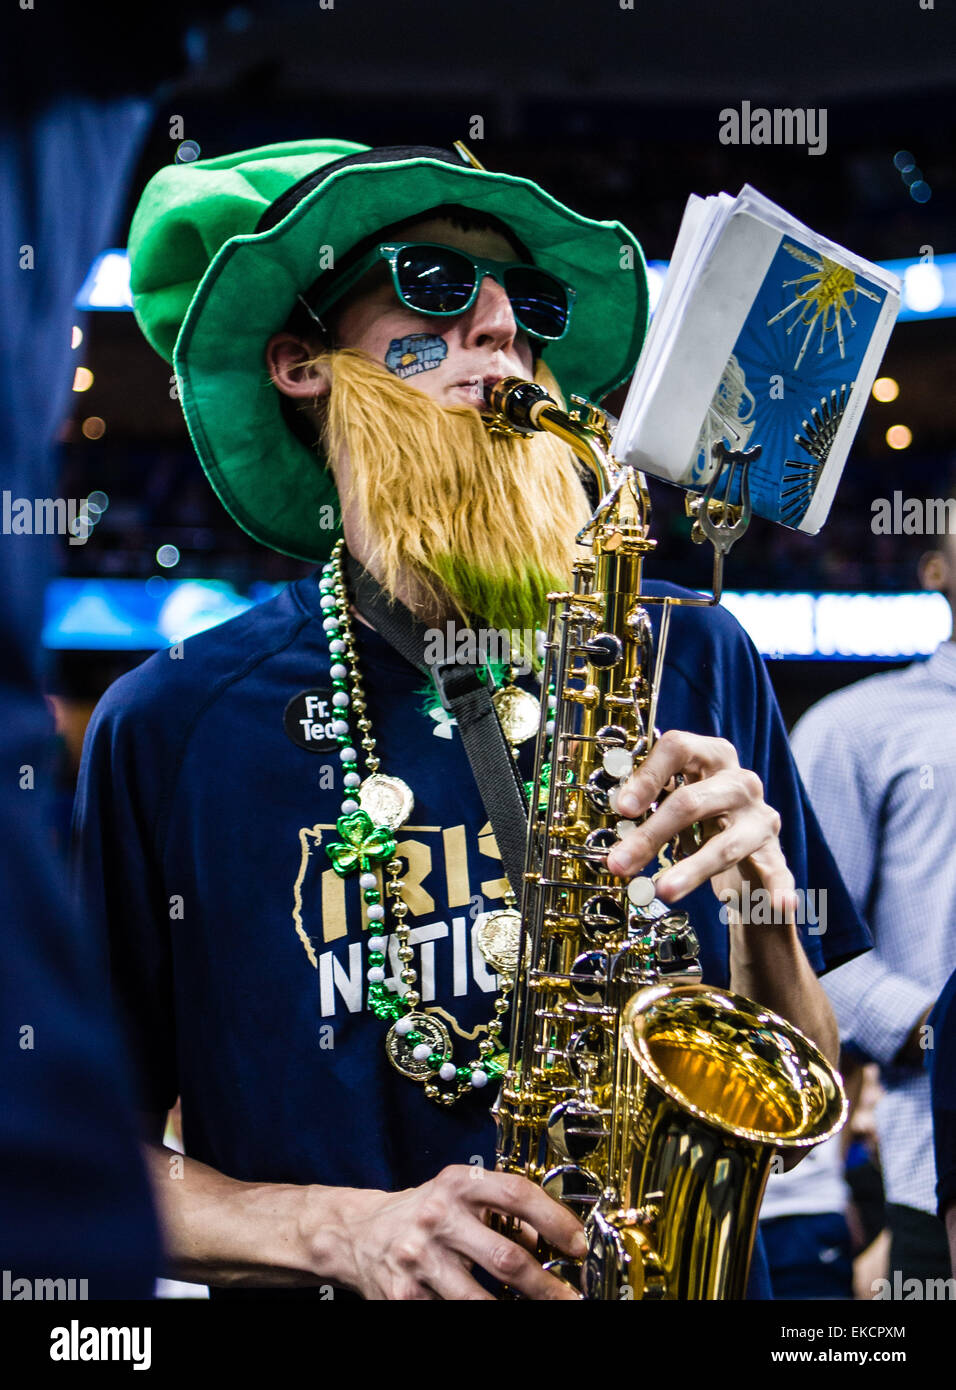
363,844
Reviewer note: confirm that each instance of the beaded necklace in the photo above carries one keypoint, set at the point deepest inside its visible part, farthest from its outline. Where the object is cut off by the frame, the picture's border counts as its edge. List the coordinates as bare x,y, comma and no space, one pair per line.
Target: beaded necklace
417,1043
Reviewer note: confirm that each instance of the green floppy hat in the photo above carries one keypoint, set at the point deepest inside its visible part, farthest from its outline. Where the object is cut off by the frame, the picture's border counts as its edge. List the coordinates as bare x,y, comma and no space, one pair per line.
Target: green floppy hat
209,289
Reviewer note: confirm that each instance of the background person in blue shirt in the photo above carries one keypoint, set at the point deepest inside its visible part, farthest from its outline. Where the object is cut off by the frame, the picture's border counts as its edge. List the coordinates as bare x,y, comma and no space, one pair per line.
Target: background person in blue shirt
202,813
879,761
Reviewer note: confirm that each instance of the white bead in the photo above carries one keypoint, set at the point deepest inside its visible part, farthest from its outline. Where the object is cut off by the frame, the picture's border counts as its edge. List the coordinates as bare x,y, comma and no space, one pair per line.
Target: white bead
327,602
329,623
352,779
403,1026
340,700
365,880
549,728
479,1078
336,646
377,943
618,762
338,672
421,1052
376,975
375,912
539,677
350,806
447,1071
339,726
552,701
641,891
348,755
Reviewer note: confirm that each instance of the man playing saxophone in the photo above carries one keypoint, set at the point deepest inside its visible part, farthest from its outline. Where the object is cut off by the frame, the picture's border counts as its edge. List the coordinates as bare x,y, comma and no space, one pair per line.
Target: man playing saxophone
335,315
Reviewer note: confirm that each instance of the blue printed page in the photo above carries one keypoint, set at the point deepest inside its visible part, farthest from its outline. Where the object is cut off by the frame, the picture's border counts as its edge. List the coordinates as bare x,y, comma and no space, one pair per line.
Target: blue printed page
787,387
767,340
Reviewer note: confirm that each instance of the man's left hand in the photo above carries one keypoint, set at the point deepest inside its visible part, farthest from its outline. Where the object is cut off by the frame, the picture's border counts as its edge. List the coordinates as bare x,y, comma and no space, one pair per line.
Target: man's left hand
739,831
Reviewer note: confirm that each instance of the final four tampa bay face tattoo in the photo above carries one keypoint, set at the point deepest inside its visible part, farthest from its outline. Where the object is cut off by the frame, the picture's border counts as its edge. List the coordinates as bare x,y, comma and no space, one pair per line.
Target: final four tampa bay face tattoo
418,352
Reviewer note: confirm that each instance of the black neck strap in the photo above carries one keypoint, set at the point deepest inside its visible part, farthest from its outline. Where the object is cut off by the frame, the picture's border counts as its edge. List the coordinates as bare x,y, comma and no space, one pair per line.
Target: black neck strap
467,696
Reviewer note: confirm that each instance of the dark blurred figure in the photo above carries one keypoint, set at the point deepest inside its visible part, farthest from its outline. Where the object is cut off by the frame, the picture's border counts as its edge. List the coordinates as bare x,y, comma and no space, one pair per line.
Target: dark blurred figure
942,1059
74,1200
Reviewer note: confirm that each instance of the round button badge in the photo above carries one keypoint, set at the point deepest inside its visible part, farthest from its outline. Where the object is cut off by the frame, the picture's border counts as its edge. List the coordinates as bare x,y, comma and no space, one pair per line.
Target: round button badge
308,720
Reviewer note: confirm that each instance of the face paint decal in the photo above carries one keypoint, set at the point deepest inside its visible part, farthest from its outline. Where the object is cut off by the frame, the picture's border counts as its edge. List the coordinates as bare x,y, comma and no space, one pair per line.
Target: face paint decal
419,352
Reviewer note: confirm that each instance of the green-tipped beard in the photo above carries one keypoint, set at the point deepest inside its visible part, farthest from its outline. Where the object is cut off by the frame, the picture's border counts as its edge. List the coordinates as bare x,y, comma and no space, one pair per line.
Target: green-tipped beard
482,524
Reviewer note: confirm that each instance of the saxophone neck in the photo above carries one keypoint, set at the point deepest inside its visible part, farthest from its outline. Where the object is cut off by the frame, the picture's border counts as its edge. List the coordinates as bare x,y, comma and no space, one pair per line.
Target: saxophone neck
516,406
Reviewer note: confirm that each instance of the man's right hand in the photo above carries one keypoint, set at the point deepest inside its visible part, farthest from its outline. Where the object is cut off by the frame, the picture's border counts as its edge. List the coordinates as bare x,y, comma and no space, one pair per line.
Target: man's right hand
421,1243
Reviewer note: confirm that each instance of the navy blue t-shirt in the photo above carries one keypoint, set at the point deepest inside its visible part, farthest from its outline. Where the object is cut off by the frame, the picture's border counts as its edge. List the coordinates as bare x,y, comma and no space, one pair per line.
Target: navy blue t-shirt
236,952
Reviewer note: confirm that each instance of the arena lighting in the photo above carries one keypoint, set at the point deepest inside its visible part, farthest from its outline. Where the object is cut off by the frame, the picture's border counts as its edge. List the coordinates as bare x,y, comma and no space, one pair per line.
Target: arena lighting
76,337
779,625
82,379
137,615
875,626
885,389
899,436
656,270
923,287
107,283
929,287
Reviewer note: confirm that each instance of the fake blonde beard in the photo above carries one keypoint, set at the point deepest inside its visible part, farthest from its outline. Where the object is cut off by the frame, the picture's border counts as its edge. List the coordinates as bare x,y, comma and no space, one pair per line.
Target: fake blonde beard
484,523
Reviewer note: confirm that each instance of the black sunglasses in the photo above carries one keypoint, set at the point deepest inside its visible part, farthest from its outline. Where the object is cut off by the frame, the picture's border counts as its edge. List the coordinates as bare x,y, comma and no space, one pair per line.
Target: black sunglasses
441,281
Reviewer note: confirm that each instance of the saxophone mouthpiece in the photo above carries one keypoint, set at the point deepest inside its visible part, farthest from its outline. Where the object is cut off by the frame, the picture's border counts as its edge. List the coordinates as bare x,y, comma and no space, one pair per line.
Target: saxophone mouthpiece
513,398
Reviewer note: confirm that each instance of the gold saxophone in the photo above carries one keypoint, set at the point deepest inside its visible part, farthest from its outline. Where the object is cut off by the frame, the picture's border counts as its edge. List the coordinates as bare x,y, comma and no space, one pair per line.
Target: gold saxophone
647,1102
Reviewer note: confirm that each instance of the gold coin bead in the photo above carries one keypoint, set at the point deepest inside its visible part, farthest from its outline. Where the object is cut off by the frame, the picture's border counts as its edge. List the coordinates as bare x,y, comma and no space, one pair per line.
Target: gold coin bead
398,1006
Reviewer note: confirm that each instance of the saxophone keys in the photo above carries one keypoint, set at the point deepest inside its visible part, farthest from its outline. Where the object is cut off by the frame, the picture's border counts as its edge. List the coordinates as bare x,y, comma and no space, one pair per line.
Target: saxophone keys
603,650
576,1129
618,762
611,736
641,891
599,790
602,915
621,1263
574,1187
589,976
565,1268
587,1054
588,697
